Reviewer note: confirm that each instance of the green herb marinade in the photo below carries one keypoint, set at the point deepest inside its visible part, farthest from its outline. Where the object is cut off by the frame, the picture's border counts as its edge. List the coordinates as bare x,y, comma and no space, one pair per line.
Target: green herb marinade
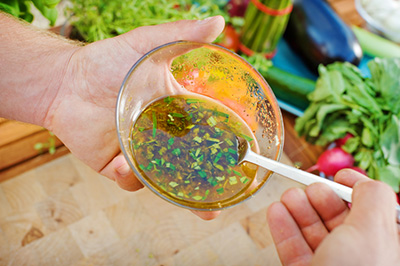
186,148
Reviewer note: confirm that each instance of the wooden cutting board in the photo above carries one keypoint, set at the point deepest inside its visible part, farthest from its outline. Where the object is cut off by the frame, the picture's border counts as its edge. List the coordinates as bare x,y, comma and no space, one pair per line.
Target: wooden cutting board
63,213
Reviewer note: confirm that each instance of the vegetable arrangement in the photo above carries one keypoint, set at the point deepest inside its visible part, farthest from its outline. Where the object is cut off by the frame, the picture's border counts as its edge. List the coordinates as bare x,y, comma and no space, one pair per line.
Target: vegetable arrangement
100,19
21,9
345,102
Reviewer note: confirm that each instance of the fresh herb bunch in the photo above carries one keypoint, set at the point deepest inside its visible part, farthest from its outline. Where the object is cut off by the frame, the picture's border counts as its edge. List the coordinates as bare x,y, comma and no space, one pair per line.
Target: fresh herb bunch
261,31
22,9
100,19
344,101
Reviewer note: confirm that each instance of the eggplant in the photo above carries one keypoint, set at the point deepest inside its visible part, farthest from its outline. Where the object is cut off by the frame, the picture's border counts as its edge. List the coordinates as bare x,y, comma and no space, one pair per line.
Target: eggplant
320,36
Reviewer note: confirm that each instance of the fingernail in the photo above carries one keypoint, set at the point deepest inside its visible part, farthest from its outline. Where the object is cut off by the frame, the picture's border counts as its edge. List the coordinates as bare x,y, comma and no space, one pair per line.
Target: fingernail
123,170
206,20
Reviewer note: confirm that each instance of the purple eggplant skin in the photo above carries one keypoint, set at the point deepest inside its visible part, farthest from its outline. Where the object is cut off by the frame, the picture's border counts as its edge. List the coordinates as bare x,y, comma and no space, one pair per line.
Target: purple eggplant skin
320,36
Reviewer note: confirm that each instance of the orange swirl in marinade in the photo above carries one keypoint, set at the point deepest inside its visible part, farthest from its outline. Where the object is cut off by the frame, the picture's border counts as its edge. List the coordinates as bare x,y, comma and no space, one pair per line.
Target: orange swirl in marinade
186,148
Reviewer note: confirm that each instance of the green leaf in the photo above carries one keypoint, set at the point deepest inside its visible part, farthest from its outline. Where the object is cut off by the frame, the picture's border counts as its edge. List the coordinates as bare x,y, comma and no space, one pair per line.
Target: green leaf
366,138
390,175
351,145
390,141
11,7
385,75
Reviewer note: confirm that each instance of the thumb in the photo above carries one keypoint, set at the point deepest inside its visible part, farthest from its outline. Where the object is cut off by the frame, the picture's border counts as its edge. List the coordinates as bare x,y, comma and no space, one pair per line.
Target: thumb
373,206
189,30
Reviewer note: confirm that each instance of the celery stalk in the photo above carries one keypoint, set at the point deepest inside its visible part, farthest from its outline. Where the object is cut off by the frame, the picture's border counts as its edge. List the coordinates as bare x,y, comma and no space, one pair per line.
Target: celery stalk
375,45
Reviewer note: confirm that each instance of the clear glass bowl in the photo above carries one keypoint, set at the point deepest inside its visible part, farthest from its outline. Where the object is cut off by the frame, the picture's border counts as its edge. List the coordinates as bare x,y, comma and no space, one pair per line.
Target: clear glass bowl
187,67
379,17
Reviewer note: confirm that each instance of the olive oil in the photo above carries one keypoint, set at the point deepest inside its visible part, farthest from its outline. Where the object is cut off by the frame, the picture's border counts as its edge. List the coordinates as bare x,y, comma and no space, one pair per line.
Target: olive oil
186,148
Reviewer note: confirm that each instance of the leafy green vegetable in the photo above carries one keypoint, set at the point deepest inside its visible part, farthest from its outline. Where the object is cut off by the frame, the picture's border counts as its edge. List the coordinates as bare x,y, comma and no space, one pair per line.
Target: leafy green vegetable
101,19
21,9
344,101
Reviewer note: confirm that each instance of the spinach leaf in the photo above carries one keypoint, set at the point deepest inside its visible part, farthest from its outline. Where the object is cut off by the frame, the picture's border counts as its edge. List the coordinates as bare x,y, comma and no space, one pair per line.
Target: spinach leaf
390,141
385,76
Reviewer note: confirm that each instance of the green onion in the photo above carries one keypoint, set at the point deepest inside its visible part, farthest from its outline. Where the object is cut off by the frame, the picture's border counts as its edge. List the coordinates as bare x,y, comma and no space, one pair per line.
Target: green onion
177,115
232,180
198,139
244,180
261,31
220,190
211,121
154,124
173,184
246,137
202,174
176,152
197,197
237,173
190,101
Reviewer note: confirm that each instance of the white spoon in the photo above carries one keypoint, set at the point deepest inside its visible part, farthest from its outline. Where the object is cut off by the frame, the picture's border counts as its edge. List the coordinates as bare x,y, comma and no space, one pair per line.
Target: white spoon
246,154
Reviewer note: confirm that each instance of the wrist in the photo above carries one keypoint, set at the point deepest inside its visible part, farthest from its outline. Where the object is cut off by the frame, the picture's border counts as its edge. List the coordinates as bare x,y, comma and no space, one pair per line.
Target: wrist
32,69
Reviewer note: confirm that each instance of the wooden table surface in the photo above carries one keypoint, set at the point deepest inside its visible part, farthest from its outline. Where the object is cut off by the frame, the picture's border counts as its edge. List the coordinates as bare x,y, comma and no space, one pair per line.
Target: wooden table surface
54,210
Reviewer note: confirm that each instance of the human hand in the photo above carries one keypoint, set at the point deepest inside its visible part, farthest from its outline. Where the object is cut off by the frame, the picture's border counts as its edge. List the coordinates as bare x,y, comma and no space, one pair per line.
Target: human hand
82,114
315,227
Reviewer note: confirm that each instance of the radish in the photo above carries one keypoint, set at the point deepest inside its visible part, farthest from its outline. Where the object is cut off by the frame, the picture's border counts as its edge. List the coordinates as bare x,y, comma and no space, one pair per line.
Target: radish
358,169
237,8
340,142
332,160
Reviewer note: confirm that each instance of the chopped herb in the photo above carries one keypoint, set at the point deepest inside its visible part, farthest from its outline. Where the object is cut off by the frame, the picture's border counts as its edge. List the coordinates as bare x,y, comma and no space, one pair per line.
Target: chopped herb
237,173
217,157
176,152
197,197
206,194
190,152
190,101
233,180
220,178
211,121
177,115
198,139
246,137
168,99
229,142
220,190
232,151
154,124
244,180
173,184
202,174
212,181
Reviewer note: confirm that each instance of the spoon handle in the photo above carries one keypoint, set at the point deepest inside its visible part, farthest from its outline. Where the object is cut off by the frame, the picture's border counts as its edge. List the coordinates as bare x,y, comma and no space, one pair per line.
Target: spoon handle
303,177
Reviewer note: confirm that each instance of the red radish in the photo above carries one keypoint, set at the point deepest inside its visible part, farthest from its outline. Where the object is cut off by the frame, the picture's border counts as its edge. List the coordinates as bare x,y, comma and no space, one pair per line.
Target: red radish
340,142
358,169
237,8
332,160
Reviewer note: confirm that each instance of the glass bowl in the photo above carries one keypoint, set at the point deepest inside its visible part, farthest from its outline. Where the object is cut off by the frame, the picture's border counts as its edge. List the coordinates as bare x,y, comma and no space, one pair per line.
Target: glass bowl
204,70
381,17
